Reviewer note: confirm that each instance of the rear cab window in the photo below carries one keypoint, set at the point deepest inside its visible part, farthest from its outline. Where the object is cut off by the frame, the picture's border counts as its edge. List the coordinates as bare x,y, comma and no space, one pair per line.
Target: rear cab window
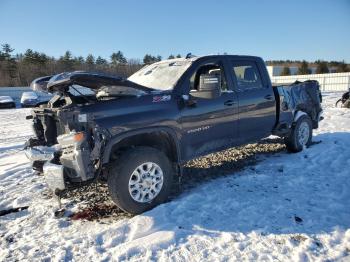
246,75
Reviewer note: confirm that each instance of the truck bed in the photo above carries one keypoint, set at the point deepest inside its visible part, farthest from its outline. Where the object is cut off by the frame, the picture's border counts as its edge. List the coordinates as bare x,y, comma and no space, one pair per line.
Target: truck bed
298,96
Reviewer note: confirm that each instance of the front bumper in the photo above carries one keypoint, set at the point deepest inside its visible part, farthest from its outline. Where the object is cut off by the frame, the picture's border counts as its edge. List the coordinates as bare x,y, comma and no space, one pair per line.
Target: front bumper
65,163
41,153
54,176
53,173
75,156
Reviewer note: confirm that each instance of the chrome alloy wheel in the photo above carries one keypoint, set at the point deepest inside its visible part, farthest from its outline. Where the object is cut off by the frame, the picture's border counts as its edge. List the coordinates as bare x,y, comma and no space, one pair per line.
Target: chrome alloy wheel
146,182
303,133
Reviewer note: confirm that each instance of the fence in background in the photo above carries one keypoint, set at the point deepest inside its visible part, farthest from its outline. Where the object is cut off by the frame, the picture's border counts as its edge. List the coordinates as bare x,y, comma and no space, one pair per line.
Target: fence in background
328,82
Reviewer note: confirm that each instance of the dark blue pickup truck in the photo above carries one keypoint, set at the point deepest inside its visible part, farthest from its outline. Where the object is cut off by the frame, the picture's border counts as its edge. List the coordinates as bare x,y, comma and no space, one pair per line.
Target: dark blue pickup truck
137,133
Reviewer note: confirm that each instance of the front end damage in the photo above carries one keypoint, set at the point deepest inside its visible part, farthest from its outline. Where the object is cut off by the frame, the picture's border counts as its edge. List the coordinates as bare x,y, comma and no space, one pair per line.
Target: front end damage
67,145
72,162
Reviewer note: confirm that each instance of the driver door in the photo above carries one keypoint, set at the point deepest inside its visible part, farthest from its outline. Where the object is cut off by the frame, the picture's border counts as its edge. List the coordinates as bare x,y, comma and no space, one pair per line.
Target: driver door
208,124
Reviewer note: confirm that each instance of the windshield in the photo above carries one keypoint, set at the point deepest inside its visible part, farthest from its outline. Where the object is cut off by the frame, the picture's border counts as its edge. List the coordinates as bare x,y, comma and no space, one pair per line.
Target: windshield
161,75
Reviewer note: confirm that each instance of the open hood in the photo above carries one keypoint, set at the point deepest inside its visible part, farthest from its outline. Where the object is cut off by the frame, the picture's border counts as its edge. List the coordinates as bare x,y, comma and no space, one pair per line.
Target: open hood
61,82
40,84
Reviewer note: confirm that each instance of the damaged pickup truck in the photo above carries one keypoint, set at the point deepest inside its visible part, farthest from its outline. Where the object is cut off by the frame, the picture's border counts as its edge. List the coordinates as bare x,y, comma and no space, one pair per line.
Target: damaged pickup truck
137,133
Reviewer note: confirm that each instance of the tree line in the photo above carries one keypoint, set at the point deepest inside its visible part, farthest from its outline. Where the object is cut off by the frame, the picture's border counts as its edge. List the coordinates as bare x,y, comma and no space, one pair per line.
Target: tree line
322,67
20,69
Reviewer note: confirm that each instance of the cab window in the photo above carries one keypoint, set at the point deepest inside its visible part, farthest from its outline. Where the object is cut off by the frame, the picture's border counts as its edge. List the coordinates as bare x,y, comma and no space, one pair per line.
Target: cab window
210,69
247,76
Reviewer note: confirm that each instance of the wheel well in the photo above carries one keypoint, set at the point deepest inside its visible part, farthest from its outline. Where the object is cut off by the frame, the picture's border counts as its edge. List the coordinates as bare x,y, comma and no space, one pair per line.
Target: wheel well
301,113
160,140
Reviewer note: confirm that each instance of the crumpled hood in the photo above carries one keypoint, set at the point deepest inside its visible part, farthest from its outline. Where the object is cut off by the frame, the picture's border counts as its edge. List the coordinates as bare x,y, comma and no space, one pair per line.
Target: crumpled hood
61,82
40,84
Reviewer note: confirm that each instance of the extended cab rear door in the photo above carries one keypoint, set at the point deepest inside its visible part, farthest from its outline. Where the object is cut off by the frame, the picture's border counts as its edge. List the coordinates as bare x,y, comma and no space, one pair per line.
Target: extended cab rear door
256,100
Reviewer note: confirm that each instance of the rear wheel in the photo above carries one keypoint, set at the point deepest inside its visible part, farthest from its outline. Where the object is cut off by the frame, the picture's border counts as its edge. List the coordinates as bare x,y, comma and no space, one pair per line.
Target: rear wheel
300,135
140,179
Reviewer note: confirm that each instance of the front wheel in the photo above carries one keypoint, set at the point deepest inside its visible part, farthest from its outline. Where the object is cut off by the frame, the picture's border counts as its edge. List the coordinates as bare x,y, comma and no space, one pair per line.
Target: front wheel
300,135
140,179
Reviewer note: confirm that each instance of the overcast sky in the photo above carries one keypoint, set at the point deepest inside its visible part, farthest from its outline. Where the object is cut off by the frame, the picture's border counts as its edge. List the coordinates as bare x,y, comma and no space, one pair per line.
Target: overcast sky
271,29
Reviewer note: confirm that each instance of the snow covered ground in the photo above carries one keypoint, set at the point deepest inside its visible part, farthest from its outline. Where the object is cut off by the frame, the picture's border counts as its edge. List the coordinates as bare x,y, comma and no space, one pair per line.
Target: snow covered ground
288,207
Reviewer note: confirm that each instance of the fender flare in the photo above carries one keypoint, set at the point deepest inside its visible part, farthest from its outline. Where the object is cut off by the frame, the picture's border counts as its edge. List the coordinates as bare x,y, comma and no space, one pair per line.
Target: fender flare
116,139
297,115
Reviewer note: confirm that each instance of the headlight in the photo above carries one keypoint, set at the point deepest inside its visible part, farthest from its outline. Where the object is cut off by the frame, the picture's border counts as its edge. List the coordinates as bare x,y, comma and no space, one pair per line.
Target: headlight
71,138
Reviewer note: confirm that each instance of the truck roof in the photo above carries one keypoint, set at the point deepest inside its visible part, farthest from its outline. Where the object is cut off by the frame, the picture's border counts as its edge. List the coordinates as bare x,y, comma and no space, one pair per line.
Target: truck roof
232,56
194,58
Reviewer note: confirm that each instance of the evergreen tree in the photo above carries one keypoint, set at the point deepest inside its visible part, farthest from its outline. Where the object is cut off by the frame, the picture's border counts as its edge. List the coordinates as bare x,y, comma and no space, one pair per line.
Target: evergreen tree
90,60
21,69
322,67
67,56
67,61
118,58
171,57
35,58
10,64
28,56
79,60
178,56
304,68
285,71
150,59
101,61
342,67
42,58
2,56
6,51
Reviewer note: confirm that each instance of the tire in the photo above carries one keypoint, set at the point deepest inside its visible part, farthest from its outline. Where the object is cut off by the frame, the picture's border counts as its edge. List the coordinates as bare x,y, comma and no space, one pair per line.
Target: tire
296,140
132,164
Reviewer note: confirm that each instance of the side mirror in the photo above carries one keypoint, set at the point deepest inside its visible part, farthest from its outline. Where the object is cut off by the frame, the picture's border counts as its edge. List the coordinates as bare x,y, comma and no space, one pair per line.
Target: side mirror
209,87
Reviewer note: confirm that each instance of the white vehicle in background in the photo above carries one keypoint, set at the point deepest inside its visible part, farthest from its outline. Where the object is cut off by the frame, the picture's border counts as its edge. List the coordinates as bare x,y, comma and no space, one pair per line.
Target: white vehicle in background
29,99
7,102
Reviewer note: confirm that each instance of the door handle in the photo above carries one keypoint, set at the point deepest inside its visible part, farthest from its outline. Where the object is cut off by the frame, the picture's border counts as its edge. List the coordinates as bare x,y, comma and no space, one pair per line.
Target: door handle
268,97
229,103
